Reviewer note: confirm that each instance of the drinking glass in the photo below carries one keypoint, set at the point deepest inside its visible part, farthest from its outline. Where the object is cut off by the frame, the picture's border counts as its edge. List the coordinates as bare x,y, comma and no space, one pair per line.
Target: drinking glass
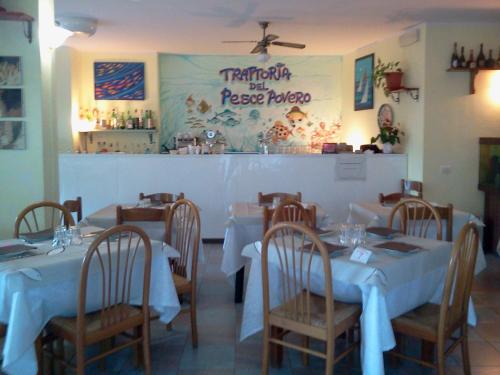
59,237
76,235
358,236
345,235
276,202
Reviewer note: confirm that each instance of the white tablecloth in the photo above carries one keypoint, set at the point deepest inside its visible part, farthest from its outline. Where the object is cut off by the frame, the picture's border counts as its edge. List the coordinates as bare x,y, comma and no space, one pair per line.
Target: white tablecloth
388,286
243,227
26,305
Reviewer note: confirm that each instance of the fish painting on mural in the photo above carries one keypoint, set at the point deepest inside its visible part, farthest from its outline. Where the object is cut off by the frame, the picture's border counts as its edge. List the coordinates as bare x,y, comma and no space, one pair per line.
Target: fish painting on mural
254,115
190,103
231,122
296,116
214,120
204,107
225,113
279,132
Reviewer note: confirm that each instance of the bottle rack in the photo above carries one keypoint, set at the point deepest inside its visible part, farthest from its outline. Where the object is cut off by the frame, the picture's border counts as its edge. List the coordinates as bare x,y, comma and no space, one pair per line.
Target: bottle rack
473,73
87,137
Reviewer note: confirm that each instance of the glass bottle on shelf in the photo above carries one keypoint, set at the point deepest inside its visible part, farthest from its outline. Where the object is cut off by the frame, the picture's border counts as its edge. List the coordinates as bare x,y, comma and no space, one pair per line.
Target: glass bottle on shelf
122,121
471,63
454,57
481,60
490,62
114,119
141,120
149,119
498,59
136,119
129,122
461,60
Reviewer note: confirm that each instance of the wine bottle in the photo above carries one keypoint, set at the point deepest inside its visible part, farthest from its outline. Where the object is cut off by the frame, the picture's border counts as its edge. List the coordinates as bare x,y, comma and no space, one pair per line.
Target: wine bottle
498,58
141,120
461,60
122,121
114,119
471,63
481,60
136,119
454,57
149,119
129,123
490,62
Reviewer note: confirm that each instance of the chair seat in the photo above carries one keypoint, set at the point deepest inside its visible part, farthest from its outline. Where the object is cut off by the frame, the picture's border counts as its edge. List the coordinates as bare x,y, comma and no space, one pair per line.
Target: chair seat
182,284
421,322
345,315
95,331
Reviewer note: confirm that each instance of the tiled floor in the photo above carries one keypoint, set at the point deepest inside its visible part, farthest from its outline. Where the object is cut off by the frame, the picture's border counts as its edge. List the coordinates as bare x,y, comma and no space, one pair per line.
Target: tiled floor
220,352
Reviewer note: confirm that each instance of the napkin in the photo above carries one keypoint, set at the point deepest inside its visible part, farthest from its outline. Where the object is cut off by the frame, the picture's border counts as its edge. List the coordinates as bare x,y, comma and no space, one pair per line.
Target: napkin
43,235
382,231
330,247
402,247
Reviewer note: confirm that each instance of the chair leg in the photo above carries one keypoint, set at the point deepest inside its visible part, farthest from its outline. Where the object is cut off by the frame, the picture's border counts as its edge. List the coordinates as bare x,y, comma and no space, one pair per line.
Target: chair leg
305,356
39,354
440,358
138,353
395,361
276,350
59,350
427,351
146,350
465,350
194,326
80,360
330,357
105,345
265,350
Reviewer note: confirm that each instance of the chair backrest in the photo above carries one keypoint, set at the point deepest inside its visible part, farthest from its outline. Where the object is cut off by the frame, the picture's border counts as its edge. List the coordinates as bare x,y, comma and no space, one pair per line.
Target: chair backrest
446,213
412,188
42,217
74,205
162,197
458,284
290,211
141,214
183,234
268,198
415,217
292,248
409,189
114,257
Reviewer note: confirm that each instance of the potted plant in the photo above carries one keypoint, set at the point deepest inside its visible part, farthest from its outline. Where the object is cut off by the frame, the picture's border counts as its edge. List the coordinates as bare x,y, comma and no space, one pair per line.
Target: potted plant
388,75
389,136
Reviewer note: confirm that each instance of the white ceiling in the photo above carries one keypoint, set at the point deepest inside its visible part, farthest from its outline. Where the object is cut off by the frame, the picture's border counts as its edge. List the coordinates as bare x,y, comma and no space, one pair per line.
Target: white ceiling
198,26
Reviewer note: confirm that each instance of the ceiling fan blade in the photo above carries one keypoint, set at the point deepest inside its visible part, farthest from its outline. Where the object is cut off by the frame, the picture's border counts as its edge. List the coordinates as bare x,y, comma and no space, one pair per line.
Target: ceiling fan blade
291,45
271,37
239,41
258,49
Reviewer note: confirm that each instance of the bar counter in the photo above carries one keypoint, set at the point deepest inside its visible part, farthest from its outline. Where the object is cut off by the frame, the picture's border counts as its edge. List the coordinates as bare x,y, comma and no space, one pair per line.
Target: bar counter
214,182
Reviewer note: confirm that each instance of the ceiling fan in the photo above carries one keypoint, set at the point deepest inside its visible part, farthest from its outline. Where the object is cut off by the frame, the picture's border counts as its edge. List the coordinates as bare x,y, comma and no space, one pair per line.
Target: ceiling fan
266,41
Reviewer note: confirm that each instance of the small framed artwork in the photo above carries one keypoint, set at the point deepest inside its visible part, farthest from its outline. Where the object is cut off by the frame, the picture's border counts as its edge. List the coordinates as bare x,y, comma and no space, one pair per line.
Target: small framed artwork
363,82
12,135
119,81
11,103
10,71
385,116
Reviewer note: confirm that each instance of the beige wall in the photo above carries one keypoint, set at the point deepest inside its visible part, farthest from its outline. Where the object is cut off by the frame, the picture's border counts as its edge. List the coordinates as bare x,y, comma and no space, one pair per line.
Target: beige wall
22,171
360,126
454,119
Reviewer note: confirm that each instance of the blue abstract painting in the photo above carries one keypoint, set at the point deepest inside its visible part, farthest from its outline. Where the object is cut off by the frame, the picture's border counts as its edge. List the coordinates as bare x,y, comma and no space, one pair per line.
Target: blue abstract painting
119,81
363,83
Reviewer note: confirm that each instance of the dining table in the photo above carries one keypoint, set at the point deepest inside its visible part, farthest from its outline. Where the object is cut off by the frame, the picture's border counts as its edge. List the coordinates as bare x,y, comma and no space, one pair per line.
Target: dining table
42,284
375,214
390,284
245,226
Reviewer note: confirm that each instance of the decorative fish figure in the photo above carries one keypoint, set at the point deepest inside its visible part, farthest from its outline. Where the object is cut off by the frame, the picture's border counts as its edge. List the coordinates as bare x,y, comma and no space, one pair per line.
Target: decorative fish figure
254,114
204,107
279,132
213,120
226,113
295,116
231,122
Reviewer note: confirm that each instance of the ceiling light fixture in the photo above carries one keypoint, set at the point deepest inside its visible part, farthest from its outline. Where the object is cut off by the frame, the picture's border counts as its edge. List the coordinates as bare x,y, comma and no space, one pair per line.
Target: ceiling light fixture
263,56
78,25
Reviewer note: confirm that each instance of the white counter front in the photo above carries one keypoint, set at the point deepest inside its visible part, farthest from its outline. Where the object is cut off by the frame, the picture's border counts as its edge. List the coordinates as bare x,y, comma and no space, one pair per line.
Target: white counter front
214,182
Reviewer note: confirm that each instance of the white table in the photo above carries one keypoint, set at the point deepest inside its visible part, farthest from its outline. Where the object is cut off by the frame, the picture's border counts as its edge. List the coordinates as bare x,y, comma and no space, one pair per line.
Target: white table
375,214
26,304
243,227
388,286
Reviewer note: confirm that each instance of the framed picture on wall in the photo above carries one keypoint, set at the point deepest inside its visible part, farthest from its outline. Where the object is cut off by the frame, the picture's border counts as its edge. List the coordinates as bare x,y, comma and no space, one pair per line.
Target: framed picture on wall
12,135
119,81
10,71
11,102
363,82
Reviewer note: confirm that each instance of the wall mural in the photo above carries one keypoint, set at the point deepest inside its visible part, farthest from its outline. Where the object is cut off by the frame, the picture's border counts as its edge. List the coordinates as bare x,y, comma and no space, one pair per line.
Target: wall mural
290,101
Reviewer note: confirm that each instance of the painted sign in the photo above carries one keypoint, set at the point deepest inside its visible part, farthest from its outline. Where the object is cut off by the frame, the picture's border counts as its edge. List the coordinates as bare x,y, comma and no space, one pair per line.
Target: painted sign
293,101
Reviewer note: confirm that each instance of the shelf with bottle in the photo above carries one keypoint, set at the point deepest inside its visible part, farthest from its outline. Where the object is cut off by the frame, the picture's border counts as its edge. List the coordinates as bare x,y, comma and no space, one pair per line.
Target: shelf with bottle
116,120
473,65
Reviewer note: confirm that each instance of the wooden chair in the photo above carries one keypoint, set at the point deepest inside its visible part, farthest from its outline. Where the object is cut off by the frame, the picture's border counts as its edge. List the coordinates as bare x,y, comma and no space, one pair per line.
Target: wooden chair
290,211
268,198
183,234
116,315
141,214
415,217
300,310
39,220
75,206
409,189
438,324
162,197
446,213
